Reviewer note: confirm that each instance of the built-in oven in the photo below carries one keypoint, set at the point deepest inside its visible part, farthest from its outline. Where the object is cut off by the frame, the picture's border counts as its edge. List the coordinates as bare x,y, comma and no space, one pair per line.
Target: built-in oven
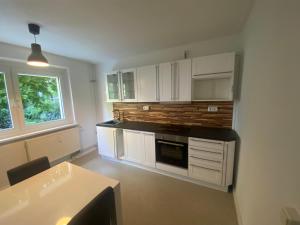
172,150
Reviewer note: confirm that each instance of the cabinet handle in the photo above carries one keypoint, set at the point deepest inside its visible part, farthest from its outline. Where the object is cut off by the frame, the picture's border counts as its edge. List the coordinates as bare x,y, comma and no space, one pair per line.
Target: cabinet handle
203,167
120,85
172,82
170,143
177,81
157,83
203,150
197,157
210,142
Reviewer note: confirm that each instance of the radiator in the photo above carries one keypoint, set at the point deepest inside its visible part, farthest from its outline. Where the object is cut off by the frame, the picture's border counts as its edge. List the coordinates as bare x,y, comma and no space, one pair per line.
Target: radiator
55,145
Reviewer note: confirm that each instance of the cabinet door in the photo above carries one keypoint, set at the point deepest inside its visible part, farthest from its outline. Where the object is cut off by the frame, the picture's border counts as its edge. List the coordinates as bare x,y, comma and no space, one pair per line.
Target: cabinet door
113,87
183,80
220,63
147,84
133,144
165,82
149,147
106,141
128,85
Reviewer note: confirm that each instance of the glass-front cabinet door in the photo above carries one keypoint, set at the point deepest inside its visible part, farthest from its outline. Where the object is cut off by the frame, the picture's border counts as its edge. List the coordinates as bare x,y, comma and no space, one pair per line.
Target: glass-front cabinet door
113,87
128,85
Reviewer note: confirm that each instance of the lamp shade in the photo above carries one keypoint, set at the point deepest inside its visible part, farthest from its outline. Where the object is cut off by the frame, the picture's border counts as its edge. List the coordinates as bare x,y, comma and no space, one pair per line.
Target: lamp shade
36,57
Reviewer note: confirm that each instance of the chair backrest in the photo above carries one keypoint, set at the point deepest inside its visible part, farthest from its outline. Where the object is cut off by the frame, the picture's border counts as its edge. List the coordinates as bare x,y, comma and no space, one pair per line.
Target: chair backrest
27,170
100,211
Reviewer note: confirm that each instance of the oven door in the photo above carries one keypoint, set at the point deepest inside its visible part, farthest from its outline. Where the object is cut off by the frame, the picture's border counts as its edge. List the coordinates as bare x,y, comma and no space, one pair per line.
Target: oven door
172,153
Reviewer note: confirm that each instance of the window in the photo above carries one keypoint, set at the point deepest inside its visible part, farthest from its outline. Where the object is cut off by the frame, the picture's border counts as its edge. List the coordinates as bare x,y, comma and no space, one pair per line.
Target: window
5,116
33,99
41,98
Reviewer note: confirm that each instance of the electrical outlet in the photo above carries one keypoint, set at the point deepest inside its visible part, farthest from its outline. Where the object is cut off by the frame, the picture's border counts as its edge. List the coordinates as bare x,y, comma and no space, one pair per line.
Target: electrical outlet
212,108
146,107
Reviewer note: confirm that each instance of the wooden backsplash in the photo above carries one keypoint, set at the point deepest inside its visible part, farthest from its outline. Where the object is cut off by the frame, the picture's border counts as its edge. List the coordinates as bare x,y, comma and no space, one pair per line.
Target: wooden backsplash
194,113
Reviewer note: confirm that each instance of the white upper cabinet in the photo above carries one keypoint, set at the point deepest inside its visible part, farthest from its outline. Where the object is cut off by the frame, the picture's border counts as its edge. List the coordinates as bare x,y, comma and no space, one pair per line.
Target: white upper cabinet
147,78
208,78
128,85
121,86
175,81
165,82
113,93
182,80
214,64
213,77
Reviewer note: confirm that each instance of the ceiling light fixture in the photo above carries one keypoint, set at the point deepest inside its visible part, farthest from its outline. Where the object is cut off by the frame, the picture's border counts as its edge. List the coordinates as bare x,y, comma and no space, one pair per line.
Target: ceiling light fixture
36,57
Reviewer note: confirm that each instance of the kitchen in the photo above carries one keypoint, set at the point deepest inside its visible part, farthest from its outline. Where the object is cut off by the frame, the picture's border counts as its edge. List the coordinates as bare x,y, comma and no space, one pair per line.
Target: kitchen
161,132
149,112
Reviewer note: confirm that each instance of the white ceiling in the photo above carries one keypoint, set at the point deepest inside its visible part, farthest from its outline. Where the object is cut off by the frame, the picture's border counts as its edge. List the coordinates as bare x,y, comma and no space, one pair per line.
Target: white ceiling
102,30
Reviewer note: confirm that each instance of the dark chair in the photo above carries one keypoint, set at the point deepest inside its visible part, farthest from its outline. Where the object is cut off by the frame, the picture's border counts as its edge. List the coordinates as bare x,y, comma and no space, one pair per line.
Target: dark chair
100,211
27,170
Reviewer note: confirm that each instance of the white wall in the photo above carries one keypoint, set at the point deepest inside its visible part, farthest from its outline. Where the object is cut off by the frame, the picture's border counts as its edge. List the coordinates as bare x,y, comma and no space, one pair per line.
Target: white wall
269,163
209,47
214,46
82,89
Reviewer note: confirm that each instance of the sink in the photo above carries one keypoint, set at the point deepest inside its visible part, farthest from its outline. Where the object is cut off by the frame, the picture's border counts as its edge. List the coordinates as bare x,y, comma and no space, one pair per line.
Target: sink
112,122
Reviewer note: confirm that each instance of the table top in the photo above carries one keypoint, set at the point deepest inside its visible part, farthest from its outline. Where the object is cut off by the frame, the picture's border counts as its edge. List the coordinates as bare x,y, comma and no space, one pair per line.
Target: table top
51,197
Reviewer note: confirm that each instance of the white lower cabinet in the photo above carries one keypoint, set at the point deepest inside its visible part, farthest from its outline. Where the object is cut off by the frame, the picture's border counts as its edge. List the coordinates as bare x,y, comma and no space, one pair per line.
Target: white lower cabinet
110,143
211,161
139,147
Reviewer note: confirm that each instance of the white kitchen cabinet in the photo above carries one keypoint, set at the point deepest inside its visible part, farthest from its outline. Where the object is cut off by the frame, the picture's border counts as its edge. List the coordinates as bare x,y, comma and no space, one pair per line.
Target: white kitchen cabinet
133,146
165,82
110,142
213,64
182,77
128,88
121,86
149,147
139,147
175,81
113,93
147,81
213,77
211,161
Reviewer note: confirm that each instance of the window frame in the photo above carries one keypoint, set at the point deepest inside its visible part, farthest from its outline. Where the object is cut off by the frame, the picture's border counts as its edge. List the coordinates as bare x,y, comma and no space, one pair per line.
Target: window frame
12,69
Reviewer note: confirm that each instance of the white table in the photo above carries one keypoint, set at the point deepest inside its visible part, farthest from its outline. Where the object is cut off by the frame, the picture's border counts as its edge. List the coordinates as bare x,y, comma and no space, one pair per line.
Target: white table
54,196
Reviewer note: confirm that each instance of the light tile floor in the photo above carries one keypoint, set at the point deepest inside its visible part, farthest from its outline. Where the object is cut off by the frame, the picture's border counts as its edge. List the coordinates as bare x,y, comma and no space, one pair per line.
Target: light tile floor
153,199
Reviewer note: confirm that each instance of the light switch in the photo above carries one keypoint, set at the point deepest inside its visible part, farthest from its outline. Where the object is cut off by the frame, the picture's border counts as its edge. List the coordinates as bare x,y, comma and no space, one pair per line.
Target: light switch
290,216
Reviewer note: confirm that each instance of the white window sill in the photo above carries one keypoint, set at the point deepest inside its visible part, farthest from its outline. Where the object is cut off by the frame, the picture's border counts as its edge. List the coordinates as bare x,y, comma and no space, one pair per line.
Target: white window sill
36,133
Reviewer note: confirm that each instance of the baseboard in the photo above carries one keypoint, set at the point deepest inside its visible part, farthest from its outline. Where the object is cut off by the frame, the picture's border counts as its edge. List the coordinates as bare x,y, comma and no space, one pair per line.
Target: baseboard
165,173
237,209
84,152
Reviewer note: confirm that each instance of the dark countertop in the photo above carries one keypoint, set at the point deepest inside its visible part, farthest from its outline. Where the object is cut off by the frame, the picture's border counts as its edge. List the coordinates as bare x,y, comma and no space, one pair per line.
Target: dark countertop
222,134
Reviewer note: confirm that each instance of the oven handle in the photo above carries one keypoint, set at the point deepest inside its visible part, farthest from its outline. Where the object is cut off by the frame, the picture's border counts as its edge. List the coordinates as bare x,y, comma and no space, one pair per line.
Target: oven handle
170,143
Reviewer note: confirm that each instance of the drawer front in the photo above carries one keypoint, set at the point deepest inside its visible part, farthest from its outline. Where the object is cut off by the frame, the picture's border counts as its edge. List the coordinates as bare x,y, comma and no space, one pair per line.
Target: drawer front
207,144
206,163
204,154
205,174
